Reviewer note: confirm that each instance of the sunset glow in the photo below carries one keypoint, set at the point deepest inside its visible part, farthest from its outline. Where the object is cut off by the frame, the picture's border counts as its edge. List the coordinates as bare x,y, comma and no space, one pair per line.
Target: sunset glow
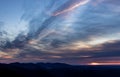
80,32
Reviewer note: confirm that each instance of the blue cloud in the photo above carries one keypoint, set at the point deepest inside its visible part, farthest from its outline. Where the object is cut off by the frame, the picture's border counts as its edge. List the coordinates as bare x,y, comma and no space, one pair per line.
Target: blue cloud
48,34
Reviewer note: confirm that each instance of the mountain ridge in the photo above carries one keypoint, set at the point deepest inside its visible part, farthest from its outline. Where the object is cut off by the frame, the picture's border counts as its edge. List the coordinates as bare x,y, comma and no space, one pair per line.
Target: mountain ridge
57,70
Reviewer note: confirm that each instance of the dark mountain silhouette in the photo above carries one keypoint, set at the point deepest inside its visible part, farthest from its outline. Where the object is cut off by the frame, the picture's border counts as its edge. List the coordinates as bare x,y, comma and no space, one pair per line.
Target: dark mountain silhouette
57,70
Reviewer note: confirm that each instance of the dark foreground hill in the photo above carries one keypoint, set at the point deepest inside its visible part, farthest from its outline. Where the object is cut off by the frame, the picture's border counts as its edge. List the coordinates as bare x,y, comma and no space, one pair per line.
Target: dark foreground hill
57,70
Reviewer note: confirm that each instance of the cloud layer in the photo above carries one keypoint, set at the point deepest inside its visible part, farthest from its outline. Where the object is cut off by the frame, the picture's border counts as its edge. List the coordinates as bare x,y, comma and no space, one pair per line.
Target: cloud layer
71,31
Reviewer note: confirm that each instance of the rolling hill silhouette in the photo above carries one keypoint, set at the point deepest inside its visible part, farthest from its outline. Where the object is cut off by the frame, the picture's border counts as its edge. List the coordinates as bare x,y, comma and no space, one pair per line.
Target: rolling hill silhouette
57,70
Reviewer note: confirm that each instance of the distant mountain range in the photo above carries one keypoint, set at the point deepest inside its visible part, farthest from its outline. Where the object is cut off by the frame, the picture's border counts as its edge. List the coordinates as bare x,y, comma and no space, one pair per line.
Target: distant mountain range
57,70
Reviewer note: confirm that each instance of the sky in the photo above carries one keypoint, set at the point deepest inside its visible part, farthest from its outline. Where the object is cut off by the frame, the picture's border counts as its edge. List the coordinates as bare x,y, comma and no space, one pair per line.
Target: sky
82,32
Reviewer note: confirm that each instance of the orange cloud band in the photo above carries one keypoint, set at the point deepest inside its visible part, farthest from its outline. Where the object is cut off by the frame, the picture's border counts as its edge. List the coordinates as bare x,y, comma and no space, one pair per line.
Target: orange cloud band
72,7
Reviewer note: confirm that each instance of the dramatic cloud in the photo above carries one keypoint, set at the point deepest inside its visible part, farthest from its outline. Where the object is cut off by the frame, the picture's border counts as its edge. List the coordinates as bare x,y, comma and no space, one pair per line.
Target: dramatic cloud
71,31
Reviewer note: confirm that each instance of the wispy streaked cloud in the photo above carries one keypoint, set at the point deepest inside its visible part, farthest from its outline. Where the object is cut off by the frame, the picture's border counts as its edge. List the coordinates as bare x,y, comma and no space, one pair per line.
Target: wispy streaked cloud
63,31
